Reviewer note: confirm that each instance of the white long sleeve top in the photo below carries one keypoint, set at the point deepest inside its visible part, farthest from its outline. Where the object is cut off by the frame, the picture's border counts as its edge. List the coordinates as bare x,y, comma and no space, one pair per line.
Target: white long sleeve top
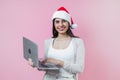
79,53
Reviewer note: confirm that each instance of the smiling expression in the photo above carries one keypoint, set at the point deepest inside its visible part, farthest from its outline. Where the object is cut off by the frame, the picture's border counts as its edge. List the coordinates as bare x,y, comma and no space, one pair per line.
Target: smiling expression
61,25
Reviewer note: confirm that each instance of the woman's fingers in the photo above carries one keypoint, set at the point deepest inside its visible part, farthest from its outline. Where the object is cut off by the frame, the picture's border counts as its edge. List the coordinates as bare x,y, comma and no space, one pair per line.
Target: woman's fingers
30,62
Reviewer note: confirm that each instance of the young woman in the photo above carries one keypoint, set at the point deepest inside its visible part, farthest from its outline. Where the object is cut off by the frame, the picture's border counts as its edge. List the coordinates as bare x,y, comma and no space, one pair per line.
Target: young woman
64,49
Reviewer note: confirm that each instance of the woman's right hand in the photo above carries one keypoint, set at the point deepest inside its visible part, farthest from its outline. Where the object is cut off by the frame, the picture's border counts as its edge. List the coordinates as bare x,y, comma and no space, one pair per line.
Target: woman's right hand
30,62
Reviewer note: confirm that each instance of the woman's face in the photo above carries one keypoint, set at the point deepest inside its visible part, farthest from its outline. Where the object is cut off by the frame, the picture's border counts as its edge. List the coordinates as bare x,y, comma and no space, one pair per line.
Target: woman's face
61,25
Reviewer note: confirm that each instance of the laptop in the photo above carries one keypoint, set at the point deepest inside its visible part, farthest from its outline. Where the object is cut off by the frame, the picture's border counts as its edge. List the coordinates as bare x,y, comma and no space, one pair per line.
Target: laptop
30,51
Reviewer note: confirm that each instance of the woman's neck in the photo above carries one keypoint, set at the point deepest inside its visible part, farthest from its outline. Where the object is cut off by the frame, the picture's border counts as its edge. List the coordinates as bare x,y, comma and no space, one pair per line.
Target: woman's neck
63,36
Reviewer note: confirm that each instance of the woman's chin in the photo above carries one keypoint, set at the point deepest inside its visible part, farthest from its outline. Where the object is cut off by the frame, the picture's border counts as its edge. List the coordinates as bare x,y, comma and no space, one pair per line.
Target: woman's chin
62,32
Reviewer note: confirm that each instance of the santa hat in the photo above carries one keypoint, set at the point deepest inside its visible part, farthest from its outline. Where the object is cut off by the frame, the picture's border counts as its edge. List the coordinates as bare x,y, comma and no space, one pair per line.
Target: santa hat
64,14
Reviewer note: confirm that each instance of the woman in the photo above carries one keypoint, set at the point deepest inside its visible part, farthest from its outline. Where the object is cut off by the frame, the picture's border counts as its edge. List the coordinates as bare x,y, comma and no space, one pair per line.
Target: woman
64,49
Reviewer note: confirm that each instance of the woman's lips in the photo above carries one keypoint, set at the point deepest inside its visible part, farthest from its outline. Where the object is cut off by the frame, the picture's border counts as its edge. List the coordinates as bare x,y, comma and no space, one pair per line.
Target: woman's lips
61,28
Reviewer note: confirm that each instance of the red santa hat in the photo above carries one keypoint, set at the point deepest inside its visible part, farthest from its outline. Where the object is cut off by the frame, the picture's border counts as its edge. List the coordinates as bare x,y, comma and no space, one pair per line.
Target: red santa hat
64,14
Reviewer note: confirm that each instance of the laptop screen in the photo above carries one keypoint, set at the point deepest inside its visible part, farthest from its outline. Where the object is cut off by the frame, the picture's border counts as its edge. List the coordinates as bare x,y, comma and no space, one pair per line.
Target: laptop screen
30,50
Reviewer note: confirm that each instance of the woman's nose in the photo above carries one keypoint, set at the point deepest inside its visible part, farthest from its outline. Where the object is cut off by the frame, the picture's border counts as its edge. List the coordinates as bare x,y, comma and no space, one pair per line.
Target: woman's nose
61,23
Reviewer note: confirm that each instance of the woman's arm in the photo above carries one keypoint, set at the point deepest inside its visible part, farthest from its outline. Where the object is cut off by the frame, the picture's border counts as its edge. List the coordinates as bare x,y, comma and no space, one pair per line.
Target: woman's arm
55,61
78,66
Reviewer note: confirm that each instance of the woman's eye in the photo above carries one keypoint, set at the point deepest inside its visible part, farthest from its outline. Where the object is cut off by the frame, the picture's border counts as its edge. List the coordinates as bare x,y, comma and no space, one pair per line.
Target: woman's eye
63,20
56,21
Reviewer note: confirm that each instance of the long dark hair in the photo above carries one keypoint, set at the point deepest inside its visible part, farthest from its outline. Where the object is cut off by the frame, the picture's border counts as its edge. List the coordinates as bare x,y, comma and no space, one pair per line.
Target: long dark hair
55,33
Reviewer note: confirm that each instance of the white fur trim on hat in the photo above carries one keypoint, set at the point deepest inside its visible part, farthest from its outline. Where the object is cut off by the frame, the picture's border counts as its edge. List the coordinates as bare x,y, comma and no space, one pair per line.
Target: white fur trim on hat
73,26
62,15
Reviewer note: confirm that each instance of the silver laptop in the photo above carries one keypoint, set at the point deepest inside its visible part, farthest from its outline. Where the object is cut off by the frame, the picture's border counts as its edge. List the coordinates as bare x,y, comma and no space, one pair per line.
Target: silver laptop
30,50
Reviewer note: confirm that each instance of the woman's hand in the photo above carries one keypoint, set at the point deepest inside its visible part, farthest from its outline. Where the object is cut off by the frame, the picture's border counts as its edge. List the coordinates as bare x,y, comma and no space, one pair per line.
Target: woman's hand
54,61
30,62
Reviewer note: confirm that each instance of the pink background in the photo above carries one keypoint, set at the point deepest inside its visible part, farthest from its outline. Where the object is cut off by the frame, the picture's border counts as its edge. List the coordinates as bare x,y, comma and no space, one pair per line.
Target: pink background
99,27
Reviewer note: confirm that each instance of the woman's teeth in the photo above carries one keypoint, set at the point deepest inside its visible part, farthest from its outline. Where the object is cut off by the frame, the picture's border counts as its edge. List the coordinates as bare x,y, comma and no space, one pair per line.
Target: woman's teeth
61,28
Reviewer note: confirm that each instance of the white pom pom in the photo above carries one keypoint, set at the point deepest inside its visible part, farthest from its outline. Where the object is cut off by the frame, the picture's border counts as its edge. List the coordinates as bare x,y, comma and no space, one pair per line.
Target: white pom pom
73,26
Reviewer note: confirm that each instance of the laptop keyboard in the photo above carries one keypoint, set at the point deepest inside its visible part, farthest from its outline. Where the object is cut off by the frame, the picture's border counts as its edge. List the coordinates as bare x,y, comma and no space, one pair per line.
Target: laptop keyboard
50,65
47,65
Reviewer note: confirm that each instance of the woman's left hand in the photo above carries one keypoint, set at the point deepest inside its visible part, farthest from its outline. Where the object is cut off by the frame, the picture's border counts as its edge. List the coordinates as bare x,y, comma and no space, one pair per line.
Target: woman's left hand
55,61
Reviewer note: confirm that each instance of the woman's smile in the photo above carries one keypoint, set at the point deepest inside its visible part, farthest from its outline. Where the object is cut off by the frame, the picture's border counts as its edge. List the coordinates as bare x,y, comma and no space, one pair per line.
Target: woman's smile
61,28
